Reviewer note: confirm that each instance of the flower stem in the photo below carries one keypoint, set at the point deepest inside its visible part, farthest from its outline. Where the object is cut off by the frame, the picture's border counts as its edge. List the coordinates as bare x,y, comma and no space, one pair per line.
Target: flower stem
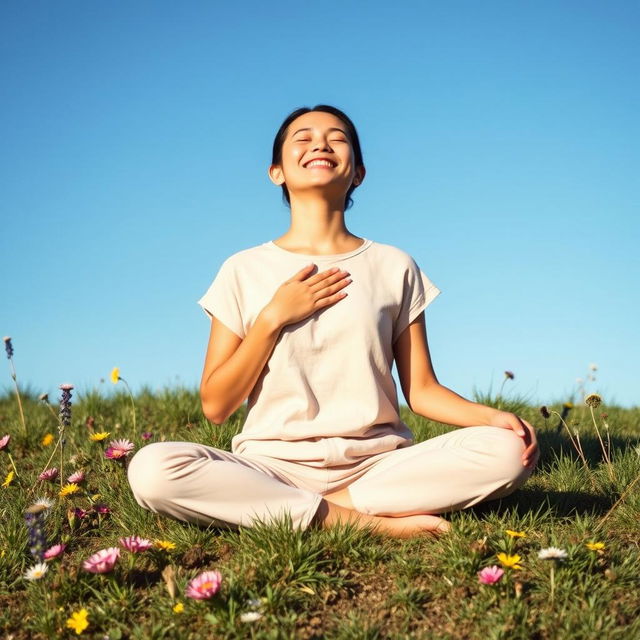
13,464
618,501
553,584
577,447
15,382
133,406
606,455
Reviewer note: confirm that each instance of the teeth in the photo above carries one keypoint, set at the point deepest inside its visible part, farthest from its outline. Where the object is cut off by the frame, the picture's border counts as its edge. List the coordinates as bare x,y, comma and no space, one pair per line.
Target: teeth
322,163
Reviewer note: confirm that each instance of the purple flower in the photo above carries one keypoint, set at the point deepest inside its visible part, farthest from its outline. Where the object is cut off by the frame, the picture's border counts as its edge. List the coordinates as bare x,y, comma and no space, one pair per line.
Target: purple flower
8,346
79,513
34,517
65,404
49,474
147,435
101,508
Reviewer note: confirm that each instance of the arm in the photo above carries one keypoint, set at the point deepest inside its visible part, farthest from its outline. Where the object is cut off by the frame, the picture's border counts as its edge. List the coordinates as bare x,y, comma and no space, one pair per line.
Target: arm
233,365
428,398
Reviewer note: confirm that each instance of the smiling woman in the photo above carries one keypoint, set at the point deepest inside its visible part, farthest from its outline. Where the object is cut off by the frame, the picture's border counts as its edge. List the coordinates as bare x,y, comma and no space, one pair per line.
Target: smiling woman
307,327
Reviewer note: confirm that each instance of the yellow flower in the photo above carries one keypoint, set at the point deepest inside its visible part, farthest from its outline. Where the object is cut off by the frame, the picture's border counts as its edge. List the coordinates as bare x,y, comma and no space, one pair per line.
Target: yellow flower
595,546
97,437
178,608
568,405
78,621
165,545
9,479
68,489
515,534
115,375
47,440
509,561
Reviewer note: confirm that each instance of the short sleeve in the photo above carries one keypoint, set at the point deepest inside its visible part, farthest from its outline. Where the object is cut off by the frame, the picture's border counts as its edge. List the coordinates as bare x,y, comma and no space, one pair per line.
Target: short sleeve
418,292
222,300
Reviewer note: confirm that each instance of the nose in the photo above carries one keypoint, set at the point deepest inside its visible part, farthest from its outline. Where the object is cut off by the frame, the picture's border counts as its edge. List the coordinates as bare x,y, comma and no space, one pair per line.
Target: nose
321,145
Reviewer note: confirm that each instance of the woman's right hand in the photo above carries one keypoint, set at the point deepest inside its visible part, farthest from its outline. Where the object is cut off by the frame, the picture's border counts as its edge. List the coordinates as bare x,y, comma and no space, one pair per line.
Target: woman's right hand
301,295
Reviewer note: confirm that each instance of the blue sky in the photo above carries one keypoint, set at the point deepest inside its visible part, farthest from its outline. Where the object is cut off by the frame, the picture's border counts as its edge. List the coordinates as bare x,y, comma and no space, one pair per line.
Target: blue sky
501,142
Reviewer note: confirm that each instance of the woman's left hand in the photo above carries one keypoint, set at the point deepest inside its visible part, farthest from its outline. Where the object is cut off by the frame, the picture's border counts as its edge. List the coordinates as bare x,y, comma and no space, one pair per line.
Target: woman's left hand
507,420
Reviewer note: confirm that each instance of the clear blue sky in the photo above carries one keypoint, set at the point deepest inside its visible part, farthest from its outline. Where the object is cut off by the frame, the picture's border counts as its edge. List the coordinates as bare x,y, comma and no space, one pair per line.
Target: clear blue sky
502,147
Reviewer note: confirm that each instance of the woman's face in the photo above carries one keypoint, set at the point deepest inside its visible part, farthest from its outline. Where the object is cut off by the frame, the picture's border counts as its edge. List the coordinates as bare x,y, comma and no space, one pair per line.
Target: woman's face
317,134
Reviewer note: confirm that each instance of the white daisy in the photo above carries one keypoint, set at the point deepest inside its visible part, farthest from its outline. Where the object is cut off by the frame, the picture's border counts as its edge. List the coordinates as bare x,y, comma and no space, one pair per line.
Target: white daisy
552,553
44,502
36,572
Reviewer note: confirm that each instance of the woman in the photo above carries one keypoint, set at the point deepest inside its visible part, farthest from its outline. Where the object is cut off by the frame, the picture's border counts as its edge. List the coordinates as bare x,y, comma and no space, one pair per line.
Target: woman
307,327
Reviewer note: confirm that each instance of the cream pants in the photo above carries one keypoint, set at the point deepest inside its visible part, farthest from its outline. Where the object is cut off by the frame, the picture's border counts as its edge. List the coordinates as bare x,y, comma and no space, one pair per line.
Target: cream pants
204,485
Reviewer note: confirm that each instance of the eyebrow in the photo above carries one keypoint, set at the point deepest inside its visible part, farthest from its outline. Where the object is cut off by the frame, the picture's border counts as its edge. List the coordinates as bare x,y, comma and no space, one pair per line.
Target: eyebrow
309,129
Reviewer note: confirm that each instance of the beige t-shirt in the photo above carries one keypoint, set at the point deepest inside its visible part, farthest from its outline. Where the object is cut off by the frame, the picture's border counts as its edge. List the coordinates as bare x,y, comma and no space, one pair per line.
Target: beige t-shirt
326,396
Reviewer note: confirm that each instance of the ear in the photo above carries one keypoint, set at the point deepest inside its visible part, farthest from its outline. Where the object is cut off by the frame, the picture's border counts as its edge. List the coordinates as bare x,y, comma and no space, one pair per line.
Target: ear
359,177
275,174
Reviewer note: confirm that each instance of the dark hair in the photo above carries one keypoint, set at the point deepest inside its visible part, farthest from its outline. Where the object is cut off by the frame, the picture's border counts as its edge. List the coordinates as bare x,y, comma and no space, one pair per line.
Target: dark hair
276,157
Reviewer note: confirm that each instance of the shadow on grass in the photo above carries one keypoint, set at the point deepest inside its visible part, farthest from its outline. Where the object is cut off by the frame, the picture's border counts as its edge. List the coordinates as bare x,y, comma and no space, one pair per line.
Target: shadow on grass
559,503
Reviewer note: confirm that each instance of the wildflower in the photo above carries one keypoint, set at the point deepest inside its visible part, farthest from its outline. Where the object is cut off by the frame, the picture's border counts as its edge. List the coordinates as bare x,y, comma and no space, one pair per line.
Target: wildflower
593,367
515,534
34,519
595,546
49,474
552,553
8,346
54,552
47,439
178,607
204,585
97,437
509,375
102,561
509,561
79,513
78,621
119,449
250,616
9,479
165,545
65,404
102,509
147,435
44,503
36,572
545,412
115,375
76,478
4,441
135,544
490,575
568,405
43,397
68,489
593,400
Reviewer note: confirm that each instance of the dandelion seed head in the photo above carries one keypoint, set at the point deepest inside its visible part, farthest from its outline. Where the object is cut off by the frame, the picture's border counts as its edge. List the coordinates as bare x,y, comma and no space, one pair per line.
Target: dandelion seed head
509,375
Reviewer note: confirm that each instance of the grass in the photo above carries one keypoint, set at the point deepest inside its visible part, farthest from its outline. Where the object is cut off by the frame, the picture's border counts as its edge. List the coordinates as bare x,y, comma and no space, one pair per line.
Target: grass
337,583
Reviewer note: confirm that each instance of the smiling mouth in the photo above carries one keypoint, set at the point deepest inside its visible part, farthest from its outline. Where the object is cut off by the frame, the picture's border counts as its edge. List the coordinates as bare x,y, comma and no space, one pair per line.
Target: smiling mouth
320,164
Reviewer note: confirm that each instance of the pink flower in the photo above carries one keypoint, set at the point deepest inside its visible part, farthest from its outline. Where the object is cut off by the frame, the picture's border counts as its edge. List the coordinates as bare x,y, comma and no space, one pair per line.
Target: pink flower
147,435
489,575
136,544
55,551
118,449
102,561
204,586
4,441
79,513
76,478
49,474
101,508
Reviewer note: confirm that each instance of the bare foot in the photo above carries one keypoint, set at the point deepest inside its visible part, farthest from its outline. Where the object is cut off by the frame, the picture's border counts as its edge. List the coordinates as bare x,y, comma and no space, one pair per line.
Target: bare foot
330,513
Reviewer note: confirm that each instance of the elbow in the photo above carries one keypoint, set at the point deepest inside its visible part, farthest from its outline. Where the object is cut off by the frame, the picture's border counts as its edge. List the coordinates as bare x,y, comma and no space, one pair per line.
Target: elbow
212,413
